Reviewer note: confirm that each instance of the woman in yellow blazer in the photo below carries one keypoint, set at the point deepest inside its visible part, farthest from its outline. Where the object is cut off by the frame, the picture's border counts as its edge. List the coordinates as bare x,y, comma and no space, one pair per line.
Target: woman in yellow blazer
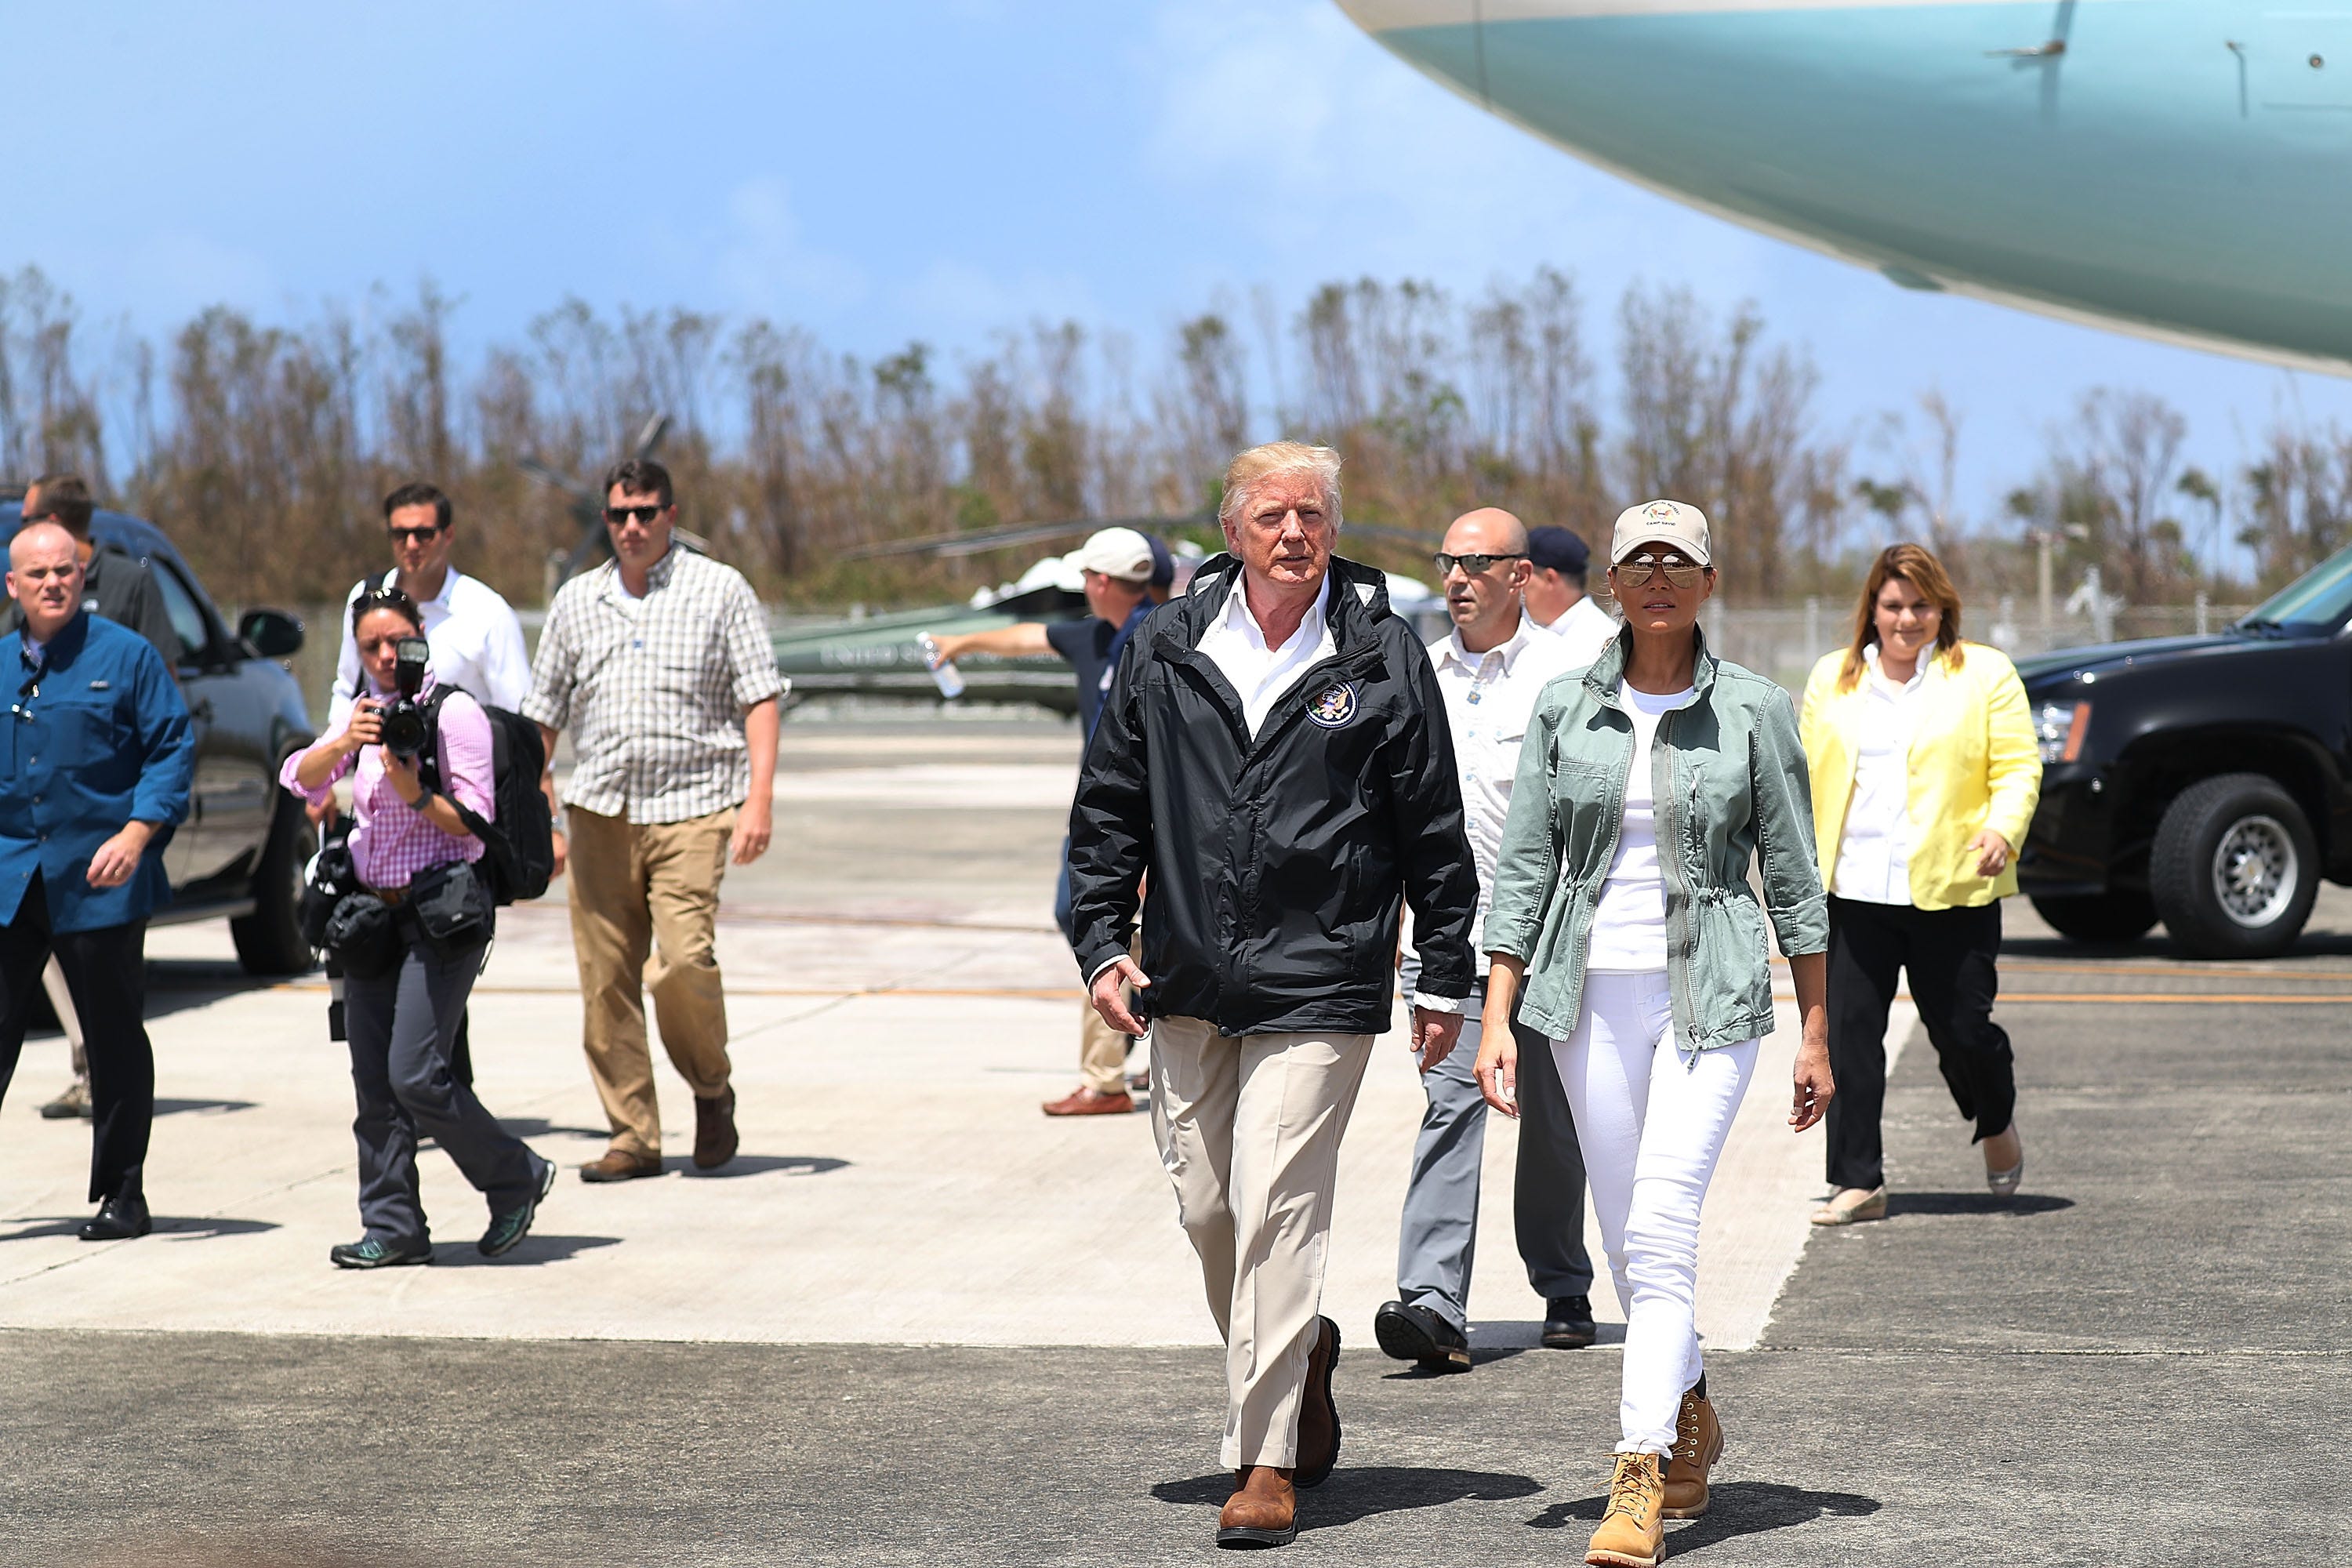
1924,773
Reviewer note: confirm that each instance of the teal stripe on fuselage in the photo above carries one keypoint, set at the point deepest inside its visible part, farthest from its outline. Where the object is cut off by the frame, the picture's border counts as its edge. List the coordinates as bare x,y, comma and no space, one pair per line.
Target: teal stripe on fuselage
2151,173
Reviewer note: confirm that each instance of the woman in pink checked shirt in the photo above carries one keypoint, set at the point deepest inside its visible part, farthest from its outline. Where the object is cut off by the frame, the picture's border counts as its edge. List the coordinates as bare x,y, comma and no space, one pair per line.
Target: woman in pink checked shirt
402,1021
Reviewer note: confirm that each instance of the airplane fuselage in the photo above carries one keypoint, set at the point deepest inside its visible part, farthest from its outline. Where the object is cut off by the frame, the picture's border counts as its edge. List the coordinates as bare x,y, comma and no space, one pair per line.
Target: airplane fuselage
2179,168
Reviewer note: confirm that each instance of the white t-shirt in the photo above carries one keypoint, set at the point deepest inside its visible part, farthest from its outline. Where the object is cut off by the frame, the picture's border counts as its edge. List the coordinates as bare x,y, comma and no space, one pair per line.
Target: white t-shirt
1629,926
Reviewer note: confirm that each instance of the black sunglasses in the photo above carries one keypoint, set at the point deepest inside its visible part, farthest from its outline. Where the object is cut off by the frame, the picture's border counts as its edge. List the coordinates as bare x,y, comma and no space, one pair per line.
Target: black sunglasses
413,535
1473,565
617,515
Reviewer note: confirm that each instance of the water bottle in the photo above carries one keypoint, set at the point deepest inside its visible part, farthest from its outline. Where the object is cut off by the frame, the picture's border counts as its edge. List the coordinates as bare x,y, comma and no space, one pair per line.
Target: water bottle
944,673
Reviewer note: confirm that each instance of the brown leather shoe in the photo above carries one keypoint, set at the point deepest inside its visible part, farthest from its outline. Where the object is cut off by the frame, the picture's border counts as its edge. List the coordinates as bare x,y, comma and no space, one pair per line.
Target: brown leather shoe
620,1165
715,1141
1090,1102
1263,1510
1318,1417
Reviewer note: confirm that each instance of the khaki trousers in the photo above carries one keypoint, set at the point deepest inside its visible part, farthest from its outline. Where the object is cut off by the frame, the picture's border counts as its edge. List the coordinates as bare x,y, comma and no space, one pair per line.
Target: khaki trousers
1249,1131
645,892
1102,1050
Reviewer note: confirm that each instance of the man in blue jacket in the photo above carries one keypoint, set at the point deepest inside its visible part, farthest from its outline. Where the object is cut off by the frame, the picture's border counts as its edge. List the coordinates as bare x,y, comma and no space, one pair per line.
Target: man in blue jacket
95,760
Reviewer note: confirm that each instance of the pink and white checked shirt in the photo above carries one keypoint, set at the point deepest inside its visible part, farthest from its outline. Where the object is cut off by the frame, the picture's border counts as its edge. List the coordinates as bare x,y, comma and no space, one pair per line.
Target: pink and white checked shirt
390,842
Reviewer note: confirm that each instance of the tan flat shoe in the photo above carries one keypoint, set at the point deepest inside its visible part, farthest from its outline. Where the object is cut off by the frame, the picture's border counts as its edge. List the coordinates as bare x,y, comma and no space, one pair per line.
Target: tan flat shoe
1848,1204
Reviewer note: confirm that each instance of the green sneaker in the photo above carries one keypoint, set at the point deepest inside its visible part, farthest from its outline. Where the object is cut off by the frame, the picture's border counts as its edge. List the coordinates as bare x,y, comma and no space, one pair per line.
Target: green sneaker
507,1228
375,1252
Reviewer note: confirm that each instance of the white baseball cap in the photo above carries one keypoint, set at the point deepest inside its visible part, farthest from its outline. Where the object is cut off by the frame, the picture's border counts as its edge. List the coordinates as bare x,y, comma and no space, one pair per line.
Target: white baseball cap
1118,553
1660,522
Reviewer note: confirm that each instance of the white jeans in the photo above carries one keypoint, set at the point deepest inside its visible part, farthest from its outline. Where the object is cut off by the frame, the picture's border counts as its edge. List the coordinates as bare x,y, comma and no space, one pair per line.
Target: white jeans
1652,1130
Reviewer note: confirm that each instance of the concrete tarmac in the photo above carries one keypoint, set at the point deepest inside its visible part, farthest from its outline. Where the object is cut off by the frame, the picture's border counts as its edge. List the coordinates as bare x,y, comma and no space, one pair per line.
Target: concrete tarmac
924,1324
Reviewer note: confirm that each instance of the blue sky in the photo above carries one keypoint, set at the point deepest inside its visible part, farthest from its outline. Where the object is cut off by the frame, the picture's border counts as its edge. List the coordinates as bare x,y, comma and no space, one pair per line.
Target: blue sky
928,169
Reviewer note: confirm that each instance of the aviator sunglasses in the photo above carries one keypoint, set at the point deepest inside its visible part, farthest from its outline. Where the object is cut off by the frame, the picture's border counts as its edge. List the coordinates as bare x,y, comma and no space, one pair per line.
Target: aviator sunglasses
1473,565
644,515
1644,569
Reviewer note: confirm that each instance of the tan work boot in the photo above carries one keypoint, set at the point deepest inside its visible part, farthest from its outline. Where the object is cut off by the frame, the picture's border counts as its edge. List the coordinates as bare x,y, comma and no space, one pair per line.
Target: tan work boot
1633,1532
1263,1510
1698,1444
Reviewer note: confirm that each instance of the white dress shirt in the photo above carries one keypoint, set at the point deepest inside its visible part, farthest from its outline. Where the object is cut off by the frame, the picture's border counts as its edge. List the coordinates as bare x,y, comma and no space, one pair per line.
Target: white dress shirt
1489,698
1236,645
1874,861
1585,628
475,640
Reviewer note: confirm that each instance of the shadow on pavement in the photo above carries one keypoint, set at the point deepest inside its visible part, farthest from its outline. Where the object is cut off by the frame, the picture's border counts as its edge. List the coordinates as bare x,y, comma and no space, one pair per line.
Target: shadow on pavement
532,1248
165,1227
201,1106
1902,1202
1734,1508
759,1165
1353,1494
541,1127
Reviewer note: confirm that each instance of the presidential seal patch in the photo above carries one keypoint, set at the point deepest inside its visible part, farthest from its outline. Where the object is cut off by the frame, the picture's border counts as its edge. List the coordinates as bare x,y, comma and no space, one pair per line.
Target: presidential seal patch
1334,705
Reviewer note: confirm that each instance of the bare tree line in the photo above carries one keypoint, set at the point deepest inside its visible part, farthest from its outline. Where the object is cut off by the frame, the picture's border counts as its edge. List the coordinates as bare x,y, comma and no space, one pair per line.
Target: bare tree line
265,449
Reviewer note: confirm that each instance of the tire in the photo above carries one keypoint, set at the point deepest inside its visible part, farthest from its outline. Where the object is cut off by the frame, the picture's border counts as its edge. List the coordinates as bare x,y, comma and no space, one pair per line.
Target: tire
269,940
2235,869
2099,917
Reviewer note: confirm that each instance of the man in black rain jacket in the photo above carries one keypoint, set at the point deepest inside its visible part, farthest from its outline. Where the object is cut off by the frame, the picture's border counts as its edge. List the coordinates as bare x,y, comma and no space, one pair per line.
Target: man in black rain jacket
1274,752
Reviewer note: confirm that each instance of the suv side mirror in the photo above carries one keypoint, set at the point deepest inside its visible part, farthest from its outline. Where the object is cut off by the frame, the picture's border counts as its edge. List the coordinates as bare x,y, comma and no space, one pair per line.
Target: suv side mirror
274,634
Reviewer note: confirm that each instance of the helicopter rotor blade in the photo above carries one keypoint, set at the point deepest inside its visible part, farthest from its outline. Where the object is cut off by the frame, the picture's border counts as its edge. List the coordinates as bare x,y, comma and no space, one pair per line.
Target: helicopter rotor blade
650,437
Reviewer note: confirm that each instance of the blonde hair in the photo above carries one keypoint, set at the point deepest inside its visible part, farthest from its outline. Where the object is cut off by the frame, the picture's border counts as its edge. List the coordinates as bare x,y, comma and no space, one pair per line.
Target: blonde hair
1245,473
1916,566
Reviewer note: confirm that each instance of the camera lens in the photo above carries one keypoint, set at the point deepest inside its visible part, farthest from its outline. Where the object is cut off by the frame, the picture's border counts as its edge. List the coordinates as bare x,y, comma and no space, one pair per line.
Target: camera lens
404,729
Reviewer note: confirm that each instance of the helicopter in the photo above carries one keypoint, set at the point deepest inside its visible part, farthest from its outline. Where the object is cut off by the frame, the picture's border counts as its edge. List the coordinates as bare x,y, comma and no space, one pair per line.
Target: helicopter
879,656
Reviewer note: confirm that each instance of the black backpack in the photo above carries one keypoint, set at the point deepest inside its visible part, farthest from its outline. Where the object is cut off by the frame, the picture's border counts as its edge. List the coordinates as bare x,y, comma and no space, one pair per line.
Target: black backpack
522,842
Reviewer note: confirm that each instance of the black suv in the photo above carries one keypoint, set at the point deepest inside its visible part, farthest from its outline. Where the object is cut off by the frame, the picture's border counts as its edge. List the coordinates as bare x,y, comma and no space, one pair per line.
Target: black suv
246,843
2205,782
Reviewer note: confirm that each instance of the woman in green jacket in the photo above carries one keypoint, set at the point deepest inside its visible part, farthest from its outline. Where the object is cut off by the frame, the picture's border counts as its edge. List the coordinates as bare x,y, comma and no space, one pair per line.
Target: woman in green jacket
1623,927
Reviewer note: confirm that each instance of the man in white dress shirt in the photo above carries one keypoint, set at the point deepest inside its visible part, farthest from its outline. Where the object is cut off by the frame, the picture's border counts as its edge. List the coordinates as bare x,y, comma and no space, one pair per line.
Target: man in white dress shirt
1491,668
1555,596
475,636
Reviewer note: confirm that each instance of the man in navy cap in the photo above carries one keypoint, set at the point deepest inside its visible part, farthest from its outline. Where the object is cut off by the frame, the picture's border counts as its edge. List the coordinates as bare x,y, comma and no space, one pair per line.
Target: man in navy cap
1556,599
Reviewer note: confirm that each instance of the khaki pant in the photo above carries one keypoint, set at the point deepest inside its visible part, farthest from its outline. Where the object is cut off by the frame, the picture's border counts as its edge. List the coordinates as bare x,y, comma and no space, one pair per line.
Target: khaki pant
1249,1130
639,892
1102,1050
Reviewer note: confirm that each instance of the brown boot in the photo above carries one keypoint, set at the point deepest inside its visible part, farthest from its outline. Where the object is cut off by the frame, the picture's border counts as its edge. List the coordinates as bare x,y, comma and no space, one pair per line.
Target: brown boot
1633,1532
714,1130
1263,1510
1318,1417
1698,1444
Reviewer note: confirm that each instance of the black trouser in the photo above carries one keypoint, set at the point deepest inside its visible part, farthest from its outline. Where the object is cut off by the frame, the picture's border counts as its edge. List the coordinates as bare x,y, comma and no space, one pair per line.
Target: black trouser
1951,955
400,1026
106,974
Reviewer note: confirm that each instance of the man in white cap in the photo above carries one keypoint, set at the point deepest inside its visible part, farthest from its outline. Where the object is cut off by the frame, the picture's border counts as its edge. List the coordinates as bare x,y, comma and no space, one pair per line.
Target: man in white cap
1118,565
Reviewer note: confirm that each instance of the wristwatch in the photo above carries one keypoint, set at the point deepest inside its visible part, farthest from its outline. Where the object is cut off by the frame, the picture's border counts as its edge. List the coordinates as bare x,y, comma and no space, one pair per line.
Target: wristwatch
424,799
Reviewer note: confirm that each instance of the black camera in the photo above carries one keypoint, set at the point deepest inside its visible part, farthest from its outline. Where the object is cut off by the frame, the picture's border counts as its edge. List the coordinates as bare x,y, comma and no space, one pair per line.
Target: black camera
403,718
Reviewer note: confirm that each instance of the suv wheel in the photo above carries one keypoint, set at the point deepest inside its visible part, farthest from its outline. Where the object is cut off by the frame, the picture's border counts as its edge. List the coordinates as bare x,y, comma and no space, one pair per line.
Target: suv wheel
2099,917
269,940
2235,869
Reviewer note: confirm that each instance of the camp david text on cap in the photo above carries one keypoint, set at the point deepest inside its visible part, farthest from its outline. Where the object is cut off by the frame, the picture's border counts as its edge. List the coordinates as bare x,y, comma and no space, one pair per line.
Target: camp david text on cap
1661,522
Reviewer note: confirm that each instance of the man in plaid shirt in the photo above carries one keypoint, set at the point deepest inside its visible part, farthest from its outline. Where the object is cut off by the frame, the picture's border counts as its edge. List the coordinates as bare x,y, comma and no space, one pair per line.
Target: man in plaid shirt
659,663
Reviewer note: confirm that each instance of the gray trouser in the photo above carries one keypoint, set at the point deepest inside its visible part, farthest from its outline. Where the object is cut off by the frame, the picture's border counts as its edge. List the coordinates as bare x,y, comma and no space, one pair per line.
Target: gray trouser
1439,1239
401,1025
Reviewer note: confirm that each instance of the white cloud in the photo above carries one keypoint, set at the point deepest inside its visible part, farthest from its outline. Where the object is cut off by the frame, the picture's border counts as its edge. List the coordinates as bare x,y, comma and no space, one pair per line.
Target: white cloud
764,266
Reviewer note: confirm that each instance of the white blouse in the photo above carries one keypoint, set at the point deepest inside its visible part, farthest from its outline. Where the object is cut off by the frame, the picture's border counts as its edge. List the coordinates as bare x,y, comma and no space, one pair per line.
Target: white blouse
1874,861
